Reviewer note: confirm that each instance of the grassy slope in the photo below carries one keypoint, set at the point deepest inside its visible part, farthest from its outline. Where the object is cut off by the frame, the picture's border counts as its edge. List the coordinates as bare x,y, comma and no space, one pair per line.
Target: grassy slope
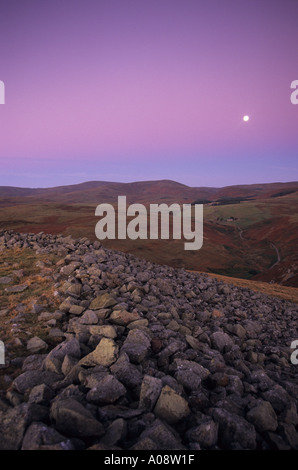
274,290
240,248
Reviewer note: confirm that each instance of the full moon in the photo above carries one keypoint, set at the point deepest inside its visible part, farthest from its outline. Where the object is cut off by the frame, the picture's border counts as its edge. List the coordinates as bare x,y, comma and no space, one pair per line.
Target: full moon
245,118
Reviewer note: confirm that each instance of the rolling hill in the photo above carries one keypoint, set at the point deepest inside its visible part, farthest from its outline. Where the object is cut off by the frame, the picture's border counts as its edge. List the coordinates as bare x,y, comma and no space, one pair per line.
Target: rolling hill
250,231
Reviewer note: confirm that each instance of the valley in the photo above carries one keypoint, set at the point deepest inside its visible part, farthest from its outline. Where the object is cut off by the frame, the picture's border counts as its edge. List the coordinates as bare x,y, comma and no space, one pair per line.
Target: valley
249,231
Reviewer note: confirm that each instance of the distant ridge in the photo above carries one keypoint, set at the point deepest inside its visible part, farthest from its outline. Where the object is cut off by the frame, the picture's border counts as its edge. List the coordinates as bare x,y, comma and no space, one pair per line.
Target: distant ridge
250,231
94,191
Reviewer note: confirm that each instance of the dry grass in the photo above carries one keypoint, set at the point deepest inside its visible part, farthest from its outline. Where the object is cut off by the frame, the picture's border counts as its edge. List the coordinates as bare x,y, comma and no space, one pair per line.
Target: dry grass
22,266
275,290
18,322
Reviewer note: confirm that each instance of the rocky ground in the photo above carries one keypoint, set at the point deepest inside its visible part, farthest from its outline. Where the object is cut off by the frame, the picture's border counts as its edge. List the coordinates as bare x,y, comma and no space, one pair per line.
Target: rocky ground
133,355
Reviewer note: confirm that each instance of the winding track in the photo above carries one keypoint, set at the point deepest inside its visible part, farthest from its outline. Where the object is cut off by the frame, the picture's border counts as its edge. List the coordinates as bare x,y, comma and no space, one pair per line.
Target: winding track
277,254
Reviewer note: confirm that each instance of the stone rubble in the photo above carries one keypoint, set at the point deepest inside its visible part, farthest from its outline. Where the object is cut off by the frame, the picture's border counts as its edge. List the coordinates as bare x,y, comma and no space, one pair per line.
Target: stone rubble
150,358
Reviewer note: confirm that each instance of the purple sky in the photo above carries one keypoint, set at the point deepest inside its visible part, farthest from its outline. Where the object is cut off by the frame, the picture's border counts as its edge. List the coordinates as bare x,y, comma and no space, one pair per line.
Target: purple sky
130,90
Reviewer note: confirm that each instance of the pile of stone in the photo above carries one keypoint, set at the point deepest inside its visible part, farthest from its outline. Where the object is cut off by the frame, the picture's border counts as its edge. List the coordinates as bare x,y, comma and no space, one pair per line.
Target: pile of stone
150,358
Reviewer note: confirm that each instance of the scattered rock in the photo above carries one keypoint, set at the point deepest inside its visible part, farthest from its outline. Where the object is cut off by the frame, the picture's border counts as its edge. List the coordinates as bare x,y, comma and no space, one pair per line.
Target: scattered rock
108,331
234,432
38,436
30,378
6,280
206,434
221,341
162,436
41,394
150,391
105,354
107,390
170,406
36,344
136,345
76,309
89,318
190,374
73,419
102,301
53,361
13,424
129,374
139,356
16,288
263,417
122,317
115,433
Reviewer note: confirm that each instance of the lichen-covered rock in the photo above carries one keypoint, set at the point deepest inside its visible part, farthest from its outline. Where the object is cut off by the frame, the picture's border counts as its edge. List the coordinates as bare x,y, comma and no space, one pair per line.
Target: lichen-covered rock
102,301
123,317
104,354
170,406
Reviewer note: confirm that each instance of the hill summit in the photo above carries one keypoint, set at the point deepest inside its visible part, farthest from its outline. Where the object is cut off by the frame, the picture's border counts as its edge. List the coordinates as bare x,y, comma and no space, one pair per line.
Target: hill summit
107,351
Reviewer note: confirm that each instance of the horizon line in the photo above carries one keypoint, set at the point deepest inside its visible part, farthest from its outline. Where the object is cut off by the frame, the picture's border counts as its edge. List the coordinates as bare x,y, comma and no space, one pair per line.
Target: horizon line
147,181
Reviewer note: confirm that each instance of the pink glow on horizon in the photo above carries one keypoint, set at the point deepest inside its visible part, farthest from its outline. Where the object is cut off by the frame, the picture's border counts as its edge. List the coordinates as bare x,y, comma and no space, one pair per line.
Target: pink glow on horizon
147,84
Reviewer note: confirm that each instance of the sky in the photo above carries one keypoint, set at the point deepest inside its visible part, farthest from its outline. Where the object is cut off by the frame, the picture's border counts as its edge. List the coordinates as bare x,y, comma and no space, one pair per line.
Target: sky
135,90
